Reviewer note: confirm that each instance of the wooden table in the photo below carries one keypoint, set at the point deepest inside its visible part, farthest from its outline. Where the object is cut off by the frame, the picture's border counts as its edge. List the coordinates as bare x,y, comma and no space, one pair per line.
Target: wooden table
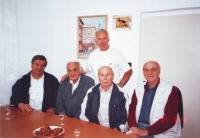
22,125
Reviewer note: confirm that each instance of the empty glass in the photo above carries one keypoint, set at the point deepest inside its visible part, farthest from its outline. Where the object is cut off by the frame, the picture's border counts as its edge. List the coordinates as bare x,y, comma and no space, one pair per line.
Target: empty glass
61,116
76,131
7,112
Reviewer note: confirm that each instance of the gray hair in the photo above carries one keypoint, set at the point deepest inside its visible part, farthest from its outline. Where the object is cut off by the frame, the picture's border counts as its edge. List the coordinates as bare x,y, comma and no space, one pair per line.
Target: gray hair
102,30
107,68
77,62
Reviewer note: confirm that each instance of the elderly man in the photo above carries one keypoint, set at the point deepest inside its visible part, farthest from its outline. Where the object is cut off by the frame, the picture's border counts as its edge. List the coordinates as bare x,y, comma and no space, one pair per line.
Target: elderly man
107,56
37,89
154,106
72,90
105,104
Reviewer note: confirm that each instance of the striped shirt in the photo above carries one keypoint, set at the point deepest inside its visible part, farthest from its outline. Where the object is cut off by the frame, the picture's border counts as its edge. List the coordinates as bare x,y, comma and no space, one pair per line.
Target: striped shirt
103,114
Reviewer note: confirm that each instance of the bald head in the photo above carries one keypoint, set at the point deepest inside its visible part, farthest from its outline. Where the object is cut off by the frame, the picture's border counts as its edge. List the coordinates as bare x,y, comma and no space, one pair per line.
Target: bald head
152,62
109,69
106,77
151,72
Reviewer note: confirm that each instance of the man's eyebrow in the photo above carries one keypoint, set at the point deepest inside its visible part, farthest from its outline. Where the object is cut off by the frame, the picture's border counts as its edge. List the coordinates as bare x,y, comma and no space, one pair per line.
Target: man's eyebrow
72,69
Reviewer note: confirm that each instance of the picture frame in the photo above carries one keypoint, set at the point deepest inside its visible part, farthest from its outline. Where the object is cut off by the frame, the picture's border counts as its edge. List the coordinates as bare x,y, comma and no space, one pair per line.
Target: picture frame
86,29
122,22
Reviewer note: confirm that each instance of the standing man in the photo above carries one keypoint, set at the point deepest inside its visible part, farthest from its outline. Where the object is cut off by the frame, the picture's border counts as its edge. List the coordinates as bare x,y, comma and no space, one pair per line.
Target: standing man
36,90
72,90
105,104
153,111
107,56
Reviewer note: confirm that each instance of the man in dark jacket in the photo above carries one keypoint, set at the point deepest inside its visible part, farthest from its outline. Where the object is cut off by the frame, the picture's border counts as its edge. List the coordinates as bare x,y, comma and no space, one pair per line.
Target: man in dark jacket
105,103
72,90
36,90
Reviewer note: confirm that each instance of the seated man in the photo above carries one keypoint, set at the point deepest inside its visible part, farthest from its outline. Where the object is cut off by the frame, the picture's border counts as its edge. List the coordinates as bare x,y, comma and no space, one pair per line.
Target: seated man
72,90
37,89
154,106
105,103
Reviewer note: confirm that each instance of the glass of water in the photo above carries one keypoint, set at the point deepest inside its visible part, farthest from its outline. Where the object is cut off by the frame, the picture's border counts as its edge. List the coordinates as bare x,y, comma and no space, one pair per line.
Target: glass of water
61,116
7,112
76,131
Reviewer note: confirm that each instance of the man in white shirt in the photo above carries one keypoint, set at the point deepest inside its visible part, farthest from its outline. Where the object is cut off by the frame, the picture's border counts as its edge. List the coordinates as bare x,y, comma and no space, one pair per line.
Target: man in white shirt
105,103
107,56
36,90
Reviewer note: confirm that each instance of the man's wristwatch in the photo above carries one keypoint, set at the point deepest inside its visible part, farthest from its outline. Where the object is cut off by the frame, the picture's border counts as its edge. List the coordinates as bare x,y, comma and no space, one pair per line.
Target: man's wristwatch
122,83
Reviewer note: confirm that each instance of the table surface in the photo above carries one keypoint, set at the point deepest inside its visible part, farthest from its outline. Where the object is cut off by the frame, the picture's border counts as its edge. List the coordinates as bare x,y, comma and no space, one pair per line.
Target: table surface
22,125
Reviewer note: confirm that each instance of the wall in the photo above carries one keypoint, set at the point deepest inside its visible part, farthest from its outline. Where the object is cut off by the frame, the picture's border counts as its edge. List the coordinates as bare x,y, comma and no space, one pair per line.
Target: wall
49,27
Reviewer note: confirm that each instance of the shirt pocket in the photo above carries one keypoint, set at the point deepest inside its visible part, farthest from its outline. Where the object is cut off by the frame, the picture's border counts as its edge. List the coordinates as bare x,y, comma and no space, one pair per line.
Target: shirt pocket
159,110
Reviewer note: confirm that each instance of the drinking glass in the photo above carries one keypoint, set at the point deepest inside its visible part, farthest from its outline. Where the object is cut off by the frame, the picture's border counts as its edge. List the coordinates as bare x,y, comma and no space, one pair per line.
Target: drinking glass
1,105
7,112
61,116
76,131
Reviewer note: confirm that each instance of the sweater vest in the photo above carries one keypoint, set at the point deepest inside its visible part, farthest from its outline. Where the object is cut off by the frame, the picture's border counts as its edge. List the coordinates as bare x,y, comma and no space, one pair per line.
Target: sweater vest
157,110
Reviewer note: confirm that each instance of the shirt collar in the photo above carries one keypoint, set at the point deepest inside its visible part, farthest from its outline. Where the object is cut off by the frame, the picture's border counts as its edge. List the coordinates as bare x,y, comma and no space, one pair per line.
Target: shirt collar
104,51
39,78
76,82
146,86
108,91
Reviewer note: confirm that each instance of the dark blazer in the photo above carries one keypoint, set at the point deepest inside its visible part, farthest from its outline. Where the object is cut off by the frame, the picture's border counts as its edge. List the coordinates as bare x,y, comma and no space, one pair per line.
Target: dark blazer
20,91
117,109
71,103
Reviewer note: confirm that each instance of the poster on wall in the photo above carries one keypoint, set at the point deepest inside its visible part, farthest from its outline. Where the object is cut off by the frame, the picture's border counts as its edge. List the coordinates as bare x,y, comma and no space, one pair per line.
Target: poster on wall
87,27
122,22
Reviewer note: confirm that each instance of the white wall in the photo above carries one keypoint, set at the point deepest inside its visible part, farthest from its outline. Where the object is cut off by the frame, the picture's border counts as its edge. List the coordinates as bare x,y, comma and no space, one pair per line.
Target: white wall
49,27
35,28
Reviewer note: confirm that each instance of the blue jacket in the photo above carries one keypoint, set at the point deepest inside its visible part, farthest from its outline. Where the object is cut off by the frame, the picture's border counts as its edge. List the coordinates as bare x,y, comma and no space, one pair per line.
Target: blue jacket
20,91
71,103
117,109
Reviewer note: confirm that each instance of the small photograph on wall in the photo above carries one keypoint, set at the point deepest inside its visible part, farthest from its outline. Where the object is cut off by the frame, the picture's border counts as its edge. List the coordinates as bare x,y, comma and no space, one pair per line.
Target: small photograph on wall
122,22
87,27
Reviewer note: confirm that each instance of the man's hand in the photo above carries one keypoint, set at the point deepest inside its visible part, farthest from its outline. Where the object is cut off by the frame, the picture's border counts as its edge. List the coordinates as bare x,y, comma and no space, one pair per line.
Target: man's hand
137,131
82,71
63,77
51,111
25,107
134,136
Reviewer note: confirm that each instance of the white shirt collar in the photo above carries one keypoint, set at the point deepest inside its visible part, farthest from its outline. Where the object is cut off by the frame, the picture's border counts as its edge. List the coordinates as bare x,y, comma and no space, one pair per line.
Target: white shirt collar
76,82
39,78
75,85
108,91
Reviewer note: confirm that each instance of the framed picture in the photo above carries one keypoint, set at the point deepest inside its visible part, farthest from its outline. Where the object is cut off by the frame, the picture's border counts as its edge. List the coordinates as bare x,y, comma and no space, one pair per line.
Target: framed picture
87,27
122,22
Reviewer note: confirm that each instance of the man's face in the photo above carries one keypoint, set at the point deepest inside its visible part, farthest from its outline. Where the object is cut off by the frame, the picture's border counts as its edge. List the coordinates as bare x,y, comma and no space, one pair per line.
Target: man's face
102,41
105,77
73,71
151,72
38,67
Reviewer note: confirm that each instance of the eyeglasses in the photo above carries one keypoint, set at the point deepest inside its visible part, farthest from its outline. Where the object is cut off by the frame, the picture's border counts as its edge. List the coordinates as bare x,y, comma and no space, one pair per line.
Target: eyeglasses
151,70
